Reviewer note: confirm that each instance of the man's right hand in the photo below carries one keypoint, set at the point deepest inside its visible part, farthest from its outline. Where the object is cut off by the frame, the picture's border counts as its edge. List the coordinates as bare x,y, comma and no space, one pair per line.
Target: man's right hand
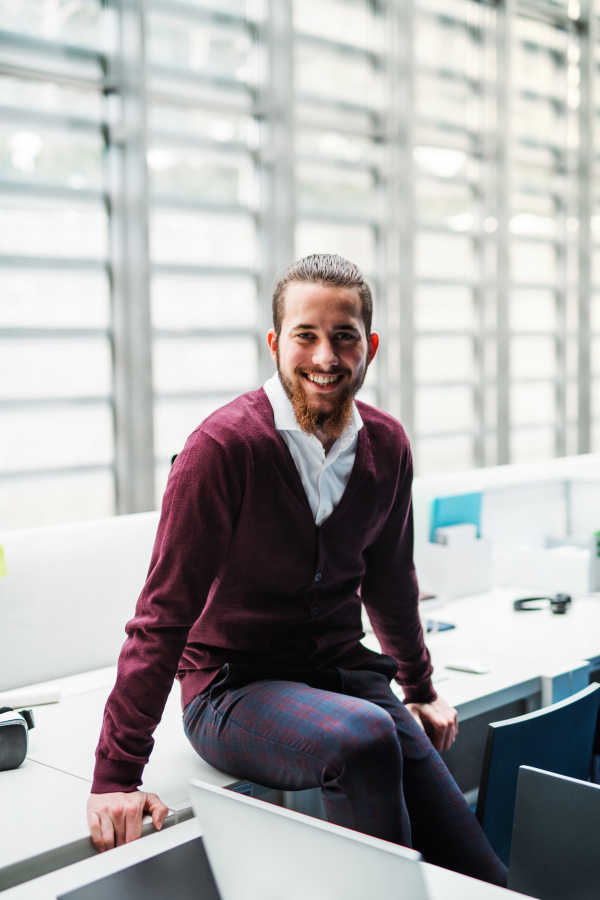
116,819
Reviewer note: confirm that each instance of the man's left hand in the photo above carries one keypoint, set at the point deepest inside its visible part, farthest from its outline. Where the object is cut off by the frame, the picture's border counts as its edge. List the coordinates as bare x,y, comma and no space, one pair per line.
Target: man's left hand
438,720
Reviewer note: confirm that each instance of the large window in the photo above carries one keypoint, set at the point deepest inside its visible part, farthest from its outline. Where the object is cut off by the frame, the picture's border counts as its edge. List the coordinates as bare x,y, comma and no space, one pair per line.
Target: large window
162,160
56,422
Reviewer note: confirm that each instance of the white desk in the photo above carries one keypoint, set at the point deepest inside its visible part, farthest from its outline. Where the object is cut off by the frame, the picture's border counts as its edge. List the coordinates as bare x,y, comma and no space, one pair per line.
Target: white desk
487,623
43,823
442,884
518,647
42,810
508,679
79,715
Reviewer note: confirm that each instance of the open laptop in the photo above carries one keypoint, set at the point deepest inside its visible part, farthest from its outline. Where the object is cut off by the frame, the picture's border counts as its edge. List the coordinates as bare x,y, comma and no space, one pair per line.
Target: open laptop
258,851
554,853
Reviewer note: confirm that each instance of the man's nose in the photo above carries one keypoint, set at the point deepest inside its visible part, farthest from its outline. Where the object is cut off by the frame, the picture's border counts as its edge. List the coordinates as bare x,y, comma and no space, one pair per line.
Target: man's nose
324,355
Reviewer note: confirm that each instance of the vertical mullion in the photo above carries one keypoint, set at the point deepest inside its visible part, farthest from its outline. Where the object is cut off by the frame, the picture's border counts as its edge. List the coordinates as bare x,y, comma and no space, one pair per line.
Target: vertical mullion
276,159
479,290
406,217
561,289
389,190
130,268
587,115
506,13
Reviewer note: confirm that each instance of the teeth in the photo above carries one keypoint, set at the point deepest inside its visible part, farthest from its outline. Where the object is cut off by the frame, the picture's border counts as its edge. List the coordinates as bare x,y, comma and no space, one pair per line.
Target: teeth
322,379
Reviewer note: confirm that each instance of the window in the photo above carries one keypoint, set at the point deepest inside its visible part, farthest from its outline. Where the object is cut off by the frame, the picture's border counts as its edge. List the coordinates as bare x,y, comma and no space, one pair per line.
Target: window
161,163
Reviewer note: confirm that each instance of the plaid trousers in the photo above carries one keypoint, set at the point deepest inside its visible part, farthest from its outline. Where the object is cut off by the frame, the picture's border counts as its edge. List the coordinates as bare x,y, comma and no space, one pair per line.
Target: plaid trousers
347,733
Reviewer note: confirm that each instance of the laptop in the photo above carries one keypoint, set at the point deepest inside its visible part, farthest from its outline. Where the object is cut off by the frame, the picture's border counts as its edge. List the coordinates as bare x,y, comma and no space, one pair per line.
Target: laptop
258,851
554,853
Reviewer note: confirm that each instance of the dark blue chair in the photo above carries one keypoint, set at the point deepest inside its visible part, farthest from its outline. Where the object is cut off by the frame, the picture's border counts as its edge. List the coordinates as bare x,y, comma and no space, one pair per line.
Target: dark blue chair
558,738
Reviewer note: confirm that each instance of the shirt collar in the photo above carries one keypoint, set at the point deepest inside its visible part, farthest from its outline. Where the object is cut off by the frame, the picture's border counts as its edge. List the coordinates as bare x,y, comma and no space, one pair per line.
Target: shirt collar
285,420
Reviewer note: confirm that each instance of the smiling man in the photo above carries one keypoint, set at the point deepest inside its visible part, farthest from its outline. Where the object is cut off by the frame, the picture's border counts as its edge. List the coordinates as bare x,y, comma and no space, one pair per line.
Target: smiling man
287,510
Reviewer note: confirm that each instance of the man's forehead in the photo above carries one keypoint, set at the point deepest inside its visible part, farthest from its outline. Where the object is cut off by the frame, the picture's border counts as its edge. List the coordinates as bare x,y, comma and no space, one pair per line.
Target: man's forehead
309,304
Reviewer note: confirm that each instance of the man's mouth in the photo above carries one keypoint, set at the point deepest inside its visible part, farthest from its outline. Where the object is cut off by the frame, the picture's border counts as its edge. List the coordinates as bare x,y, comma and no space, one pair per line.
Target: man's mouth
319,378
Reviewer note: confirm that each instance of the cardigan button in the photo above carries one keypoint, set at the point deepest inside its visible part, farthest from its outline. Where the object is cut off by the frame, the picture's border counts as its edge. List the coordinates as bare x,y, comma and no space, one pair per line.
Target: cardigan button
316,610
318,576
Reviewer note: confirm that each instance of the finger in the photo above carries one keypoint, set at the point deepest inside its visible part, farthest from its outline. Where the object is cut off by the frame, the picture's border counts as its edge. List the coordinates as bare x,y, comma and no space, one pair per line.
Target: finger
107,829
117,814
133,822
448,737
455,728
96,832
445,735
157,809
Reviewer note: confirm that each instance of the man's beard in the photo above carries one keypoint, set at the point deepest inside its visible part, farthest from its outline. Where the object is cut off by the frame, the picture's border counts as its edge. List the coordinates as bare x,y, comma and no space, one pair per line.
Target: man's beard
332,422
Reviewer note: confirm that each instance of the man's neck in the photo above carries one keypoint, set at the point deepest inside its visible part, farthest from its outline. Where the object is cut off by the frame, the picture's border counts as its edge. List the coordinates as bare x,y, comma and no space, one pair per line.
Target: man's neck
325,439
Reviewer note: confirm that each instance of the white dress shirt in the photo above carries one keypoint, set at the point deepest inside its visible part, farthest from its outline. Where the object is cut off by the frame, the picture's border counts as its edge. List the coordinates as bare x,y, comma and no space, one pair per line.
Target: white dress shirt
324,477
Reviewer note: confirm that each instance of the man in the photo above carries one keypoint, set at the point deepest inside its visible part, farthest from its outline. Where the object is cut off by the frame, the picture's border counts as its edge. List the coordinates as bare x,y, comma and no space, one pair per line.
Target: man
285,510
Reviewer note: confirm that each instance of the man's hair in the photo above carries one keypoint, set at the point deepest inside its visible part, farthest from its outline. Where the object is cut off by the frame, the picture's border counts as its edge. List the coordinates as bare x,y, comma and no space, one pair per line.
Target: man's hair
323,268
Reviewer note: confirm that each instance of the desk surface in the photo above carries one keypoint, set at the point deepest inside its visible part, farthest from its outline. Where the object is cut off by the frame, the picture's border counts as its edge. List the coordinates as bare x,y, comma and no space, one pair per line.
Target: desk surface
517,647
42,809
507,680
487,624
442,884
56,777
173,762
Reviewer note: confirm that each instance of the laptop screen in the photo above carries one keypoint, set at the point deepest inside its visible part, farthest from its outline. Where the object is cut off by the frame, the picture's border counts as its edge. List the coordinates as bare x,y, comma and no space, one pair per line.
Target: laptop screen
258,851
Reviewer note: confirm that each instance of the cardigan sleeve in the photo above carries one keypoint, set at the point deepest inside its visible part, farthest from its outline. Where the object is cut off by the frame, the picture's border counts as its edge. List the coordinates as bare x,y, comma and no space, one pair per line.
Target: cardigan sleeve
196,524
391,595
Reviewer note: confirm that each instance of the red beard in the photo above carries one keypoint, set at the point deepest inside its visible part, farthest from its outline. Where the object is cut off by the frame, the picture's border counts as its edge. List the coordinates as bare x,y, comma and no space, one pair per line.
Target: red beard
331,422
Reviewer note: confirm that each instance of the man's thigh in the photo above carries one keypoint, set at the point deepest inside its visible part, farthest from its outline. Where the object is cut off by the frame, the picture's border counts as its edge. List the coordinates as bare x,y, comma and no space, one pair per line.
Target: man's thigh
298,734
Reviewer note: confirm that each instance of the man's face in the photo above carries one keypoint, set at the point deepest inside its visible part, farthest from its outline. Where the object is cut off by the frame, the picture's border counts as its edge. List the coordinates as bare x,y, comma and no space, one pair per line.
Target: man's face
322,353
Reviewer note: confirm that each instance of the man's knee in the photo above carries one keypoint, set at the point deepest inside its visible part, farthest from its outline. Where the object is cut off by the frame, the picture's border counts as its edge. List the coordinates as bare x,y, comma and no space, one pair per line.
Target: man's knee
367,734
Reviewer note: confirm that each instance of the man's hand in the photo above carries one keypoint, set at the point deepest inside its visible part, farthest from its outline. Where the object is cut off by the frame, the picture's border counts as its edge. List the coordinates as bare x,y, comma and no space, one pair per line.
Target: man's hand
116,819
438,720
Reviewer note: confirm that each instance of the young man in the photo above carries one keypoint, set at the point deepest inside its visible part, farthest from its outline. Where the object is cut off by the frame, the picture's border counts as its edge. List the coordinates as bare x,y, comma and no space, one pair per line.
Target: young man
285,510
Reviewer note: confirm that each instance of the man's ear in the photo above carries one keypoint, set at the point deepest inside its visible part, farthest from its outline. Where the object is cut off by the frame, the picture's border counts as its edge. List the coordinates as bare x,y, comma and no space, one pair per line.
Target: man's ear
272,342
373,345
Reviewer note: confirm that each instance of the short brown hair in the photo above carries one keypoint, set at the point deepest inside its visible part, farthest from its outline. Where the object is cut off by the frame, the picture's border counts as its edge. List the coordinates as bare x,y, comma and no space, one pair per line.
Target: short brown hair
323,268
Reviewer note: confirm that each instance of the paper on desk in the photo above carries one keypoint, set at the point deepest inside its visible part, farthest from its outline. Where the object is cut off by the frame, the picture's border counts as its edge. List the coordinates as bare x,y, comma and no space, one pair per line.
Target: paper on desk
27,696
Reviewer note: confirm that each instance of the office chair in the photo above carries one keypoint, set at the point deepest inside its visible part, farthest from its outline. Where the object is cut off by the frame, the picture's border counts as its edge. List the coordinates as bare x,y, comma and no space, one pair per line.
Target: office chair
558,738
554,853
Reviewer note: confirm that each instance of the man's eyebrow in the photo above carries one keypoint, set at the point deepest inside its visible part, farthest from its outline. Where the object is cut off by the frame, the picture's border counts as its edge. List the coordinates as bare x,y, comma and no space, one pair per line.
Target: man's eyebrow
345,327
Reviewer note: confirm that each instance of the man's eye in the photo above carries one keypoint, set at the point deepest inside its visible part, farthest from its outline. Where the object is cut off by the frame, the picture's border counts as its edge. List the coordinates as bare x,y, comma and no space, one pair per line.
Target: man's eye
346,336
305,335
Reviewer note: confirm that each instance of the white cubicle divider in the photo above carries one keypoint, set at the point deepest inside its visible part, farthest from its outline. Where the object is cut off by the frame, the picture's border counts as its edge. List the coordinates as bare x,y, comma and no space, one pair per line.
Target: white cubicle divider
69,591
522,506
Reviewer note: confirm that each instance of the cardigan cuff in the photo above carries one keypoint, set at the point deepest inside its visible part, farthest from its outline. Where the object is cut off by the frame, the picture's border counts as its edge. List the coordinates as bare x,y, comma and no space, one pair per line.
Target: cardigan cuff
112,775
423,692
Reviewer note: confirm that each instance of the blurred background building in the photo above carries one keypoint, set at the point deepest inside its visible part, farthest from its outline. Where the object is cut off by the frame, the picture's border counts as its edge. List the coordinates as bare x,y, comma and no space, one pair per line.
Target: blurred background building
162,160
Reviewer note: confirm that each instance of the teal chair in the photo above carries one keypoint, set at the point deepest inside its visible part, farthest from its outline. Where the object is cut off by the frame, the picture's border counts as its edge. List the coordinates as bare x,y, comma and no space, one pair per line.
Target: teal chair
558,738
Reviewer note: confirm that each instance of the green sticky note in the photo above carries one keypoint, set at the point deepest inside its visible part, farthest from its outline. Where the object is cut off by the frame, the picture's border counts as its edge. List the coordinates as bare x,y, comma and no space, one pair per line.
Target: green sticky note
3,569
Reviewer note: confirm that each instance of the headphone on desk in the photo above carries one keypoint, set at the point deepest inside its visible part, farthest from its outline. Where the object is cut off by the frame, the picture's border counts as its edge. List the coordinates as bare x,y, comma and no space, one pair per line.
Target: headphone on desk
558,604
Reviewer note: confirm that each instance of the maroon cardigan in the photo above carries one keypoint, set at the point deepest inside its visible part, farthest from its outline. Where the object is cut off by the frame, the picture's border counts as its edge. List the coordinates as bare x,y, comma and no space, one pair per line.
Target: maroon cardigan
241,573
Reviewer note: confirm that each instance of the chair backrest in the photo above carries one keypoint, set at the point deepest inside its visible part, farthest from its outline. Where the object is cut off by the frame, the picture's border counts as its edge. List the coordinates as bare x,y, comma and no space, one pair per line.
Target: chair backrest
554,853
558,738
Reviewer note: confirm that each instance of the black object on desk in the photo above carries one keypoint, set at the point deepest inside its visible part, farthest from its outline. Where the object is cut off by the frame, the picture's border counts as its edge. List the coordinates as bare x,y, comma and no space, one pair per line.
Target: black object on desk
183,873
558,604
14,740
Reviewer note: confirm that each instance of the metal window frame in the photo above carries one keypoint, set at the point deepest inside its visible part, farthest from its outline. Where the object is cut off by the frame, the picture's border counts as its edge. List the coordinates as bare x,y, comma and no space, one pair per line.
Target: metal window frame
279,109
